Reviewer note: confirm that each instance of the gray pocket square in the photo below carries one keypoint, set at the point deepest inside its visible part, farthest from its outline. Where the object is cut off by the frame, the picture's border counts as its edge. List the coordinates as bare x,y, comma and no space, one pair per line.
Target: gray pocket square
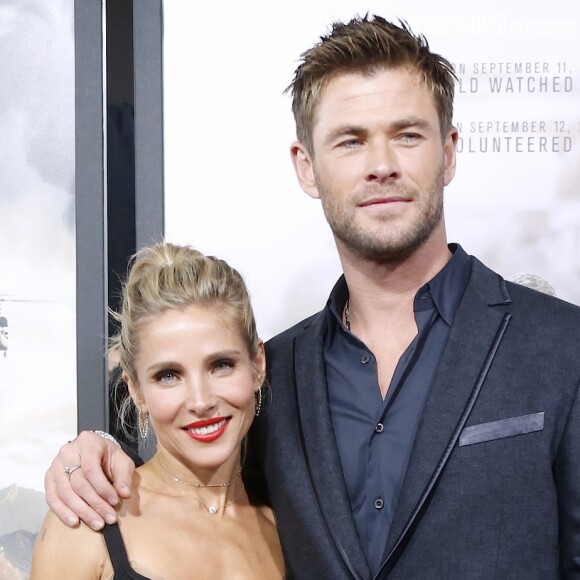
502,428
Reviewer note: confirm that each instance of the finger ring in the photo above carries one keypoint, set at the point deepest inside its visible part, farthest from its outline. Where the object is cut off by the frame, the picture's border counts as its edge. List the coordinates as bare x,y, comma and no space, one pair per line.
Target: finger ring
69,470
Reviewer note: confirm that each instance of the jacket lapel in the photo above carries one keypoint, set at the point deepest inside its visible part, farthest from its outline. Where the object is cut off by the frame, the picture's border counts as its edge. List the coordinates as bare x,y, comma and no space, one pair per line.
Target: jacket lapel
319,446
475,336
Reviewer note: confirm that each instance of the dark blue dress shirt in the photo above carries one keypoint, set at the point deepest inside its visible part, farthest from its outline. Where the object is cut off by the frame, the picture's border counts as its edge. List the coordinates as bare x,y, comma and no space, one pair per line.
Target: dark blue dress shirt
375,436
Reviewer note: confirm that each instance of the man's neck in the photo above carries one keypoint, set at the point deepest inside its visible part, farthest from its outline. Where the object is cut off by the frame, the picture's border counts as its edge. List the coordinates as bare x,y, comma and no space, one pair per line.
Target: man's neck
379,291
381,302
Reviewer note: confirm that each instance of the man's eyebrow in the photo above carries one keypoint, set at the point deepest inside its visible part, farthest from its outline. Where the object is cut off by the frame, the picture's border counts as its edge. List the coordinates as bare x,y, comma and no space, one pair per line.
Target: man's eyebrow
342,130
410,122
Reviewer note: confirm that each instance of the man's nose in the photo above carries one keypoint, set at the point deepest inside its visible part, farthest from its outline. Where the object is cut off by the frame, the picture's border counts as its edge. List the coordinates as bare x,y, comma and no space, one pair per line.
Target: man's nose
382,161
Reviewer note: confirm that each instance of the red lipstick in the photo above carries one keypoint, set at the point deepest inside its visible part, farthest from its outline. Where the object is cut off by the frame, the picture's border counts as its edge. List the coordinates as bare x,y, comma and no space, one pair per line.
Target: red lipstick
207,430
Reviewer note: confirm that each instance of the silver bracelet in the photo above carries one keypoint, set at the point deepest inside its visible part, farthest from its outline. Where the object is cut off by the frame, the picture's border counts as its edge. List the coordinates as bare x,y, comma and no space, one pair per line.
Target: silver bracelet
108,437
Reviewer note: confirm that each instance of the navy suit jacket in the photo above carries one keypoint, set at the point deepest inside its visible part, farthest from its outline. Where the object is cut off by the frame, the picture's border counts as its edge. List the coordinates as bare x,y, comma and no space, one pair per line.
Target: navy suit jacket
492,489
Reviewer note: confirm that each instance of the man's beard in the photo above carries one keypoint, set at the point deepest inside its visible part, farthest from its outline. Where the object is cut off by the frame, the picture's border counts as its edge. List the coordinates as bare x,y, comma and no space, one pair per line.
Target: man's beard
372,245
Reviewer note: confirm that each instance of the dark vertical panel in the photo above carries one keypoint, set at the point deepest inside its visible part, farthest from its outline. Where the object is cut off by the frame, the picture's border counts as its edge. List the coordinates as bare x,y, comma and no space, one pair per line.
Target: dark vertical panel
120,172
90,216
120,145
147,35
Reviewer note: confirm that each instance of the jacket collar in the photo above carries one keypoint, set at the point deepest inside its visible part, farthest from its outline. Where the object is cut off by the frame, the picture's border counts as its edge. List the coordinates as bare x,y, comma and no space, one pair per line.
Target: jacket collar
319,445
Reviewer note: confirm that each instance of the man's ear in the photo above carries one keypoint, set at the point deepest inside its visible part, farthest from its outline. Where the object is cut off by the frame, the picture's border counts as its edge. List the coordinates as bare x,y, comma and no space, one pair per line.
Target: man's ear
259,362
450,153
304,167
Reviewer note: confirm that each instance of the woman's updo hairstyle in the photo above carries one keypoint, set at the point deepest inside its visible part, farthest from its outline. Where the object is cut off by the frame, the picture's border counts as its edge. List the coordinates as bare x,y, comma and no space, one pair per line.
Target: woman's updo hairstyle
170,277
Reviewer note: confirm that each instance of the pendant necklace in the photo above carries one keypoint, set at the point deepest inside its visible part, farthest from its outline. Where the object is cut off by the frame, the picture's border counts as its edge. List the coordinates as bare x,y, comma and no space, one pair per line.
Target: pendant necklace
214,509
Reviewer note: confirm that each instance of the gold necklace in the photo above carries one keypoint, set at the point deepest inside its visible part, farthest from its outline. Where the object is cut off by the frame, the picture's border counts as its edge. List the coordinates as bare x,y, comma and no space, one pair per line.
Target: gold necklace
212,509
195,483
347,314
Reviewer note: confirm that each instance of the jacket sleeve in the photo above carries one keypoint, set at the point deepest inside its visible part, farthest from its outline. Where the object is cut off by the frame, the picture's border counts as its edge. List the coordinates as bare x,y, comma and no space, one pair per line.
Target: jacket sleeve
567,477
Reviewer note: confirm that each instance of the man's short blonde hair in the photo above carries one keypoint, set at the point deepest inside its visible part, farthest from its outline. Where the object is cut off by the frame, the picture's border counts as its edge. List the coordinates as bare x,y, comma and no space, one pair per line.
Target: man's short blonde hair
366,45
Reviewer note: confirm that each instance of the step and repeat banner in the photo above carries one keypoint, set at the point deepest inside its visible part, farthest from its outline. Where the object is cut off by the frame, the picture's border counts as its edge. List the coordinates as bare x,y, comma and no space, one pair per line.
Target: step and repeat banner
230,187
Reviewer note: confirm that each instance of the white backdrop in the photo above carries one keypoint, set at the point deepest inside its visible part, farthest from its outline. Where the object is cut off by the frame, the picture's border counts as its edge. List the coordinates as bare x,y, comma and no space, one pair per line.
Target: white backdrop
37,237
230,186
37,262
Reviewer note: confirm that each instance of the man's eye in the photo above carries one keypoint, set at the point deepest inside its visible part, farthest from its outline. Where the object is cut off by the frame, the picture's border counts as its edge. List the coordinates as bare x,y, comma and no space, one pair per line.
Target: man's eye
410,137
350,143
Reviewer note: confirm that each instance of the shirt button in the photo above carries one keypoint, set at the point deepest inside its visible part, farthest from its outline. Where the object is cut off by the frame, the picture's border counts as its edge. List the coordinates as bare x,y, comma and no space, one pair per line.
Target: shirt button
365,359
379,503
379,428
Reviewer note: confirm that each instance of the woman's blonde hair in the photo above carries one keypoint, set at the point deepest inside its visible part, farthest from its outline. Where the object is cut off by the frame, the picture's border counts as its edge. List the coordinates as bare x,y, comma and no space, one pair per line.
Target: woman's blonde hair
170,277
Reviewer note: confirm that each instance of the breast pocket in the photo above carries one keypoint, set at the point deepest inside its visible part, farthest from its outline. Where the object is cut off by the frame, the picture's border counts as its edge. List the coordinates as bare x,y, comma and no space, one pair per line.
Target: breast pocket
503,428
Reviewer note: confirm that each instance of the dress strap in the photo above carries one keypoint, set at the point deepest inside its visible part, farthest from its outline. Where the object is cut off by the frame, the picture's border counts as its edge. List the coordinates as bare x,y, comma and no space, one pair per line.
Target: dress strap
118,554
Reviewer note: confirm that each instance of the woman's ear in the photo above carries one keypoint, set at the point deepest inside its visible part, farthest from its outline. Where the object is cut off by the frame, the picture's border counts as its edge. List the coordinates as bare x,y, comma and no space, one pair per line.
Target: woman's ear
136,394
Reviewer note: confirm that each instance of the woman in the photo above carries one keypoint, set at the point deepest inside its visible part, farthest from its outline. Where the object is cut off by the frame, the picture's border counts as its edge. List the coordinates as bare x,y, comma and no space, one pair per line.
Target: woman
194,365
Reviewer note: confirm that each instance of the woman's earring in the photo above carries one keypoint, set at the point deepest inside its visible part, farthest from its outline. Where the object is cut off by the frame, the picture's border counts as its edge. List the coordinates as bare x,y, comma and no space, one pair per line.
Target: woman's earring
143,424
258,396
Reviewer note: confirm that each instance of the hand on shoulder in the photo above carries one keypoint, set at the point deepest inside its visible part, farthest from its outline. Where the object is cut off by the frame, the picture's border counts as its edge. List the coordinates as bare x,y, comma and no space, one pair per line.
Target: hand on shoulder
90,491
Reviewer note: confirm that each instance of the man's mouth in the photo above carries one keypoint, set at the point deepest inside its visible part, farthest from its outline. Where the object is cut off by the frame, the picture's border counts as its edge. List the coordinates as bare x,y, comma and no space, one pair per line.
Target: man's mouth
383,200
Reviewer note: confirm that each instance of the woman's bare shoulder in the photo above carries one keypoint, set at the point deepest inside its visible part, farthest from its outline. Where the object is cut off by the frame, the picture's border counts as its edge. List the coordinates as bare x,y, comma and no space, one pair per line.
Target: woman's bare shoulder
62,552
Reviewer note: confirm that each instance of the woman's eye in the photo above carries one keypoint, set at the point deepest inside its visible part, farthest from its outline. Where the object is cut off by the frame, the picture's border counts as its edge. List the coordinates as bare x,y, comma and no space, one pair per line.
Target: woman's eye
223,364
165,377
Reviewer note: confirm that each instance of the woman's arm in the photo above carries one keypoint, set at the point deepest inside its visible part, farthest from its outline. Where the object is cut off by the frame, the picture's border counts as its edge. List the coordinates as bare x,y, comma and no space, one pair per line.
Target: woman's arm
64,553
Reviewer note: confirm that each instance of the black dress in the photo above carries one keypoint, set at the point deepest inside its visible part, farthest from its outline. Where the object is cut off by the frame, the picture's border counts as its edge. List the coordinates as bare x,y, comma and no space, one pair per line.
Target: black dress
118,555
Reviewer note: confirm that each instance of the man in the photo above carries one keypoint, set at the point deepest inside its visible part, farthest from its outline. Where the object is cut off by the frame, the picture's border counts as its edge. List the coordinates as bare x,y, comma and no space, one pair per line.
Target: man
426,423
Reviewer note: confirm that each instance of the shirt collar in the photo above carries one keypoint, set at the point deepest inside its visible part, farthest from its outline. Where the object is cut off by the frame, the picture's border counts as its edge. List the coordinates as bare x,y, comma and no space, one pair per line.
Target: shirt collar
448,286
445,289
